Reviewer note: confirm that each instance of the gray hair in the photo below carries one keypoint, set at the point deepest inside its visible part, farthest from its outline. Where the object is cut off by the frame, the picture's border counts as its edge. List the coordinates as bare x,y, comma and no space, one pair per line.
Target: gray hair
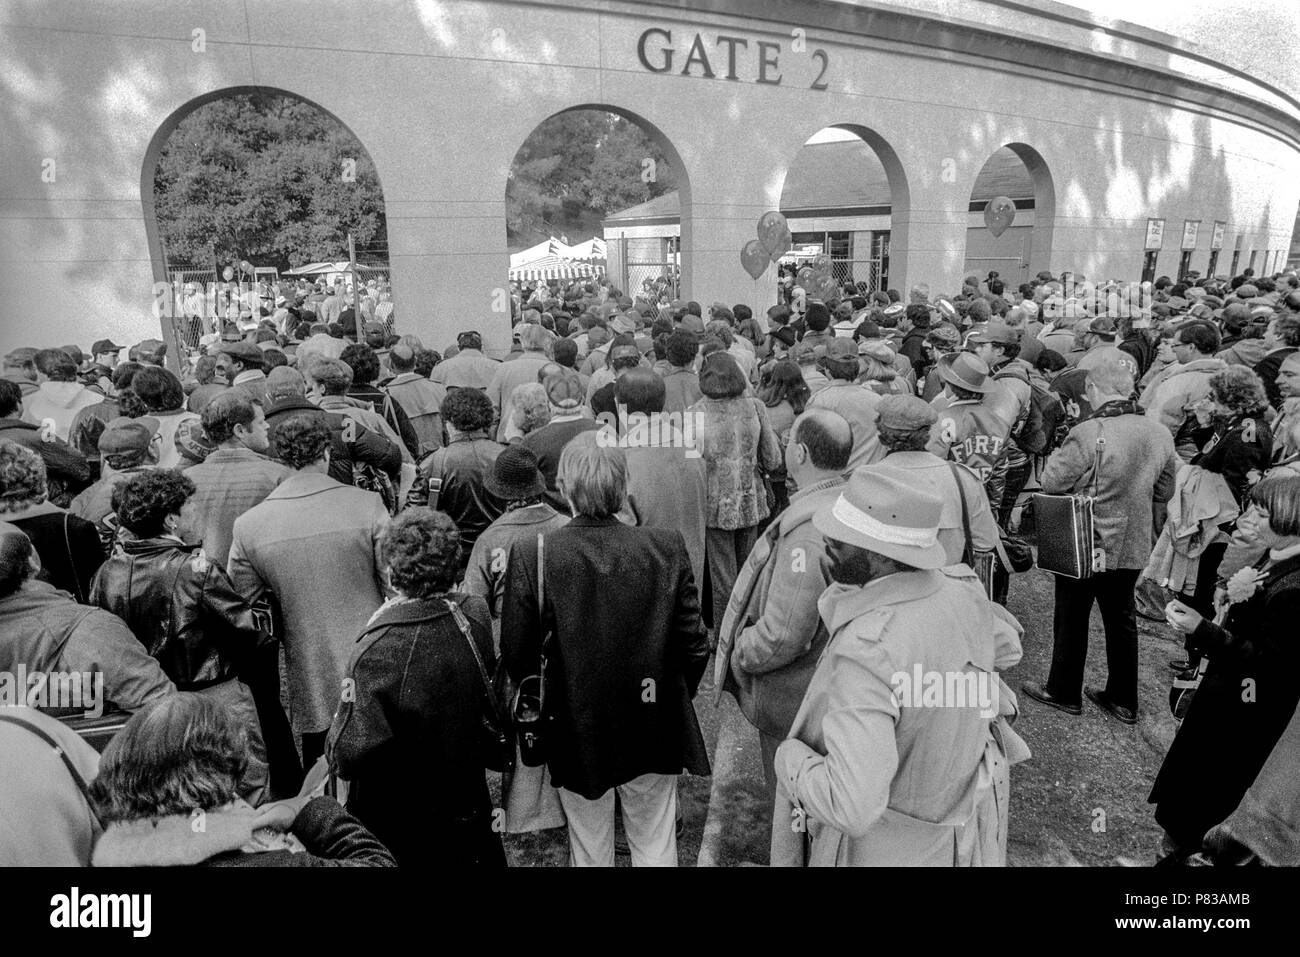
593,475
532,407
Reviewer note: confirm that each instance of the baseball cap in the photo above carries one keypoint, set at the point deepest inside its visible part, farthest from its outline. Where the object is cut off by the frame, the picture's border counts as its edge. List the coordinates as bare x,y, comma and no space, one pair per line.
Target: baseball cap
104,345
123,436
564,390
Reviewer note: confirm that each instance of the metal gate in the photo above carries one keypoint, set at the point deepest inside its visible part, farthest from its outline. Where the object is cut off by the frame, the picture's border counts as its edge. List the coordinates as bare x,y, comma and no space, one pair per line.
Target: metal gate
649,276
865,274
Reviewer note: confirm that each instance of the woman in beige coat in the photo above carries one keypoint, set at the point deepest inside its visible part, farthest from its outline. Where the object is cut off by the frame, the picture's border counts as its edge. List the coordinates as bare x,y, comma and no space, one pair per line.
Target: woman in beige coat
899,754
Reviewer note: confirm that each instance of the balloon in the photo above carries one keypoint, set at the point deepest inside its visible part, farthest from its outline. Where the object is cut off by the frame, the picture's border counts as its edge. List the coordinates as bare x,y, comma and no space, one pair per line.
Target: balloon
999,214
770,225
824,288
821,263
227,274
754,258
784,242
804,277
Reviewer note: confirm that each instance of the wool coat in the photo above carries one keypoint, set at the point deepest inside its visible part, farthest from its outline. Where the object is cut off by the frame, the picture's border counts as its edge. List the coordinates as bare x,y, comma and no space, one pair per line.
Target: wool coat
1138,467
409,740
313,544
1245,701
626,654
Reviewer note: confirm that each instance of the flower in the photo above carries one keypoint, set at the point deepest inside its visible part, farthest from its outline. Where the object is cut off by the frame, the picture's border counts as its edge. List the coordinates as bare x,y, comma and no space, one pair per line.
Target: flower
1243,585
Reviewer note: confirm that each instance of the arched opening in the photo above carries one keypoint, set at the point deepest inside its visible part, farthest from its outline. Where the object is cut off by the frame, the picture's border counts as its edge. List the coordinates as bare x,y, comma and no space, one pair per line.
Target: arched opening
1024,248
597,191
251,194
846,196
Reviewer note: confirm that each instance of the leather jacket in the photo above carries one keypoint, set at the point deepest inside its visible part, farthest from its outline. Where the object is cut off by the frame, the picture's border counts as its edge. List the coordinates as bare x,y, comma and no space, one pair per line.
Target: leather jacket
181,607
454,476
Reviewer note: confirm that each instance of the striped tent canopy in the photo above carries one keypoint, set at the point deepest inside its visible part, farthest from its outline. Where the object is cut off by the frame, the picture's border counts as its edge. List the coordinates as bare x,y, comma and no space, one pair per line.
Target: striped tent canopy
555,267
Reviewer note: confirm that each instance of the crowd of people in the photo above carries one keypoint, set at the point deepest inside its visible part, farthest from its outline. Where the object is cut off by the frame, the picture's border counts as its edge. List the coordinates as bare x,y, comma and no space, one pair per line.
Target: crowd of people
325,571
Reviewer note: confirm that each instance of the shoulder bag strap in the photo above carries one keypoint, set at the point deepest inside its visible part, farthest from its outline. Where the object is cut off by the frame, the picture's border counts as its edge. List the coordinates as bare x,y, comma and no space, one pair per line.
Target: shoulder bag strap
969,554
463,624
1096,459
77,779
541,617
72,561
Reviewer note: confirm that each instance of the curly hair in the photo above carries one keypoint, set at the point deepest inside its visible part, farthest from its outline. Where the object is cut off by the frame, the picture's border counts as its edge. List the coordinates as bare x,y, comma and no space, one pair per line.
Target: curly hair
532,408
363,362
159,388
143,501
467,410
22,477
300,440
421,550
183,753
1239,390
425,361
130,405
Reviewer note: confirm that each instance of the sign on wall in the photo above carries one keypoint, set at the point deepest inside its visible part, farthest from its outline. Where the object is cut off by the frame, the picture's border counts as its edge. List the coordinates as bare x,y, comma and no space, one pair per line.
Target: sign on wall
1216,237
727,57
1191,230
1155,233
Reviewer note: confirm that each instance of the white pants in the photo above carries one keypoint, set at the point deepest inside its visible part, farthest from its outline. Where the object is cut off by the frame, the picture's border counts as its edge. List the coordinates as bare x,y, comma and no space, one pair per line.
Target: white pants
649,819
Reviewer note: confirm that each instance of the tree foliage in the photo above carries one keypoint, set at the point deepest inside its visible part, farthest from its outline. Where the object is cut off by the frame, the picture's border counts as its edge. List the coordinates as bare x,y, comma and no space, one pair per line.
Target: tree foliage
582,160
268,179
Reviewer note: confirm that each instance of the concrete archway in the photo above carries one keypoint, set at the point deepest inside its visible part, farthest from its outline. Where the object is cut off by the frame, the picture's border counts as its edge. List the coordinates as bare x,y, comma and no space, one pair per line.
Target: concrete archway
1028,242
153,153
856,208
683,207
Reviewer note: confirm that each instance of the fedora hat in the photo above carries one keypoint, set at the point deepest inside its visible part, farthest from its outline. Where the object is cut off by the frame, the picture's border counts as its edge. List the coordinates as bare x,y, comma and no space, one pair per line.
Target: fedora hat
882,511
515,475
965,370
997,332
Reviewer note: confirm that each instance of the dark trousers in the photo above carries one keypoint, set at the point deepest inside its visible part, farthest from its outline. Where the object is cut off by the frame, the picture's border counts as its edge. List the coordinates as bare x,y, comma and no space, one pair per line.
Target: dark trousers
1016,479
261,672
1113,593
1202,599
313,746
725,551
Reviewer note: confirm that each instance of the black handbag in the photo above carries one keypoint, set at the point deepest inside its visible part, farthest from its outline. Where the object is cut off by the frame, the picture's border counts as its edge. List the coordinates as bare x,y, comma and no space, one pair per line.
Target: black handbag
529,708
498,746
1064,523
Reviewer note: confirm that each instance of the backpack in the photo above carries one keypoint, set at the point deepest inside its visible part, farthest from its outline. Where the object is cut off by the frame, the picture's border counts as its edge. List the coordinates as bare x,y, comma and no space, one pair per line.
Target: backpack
1043,424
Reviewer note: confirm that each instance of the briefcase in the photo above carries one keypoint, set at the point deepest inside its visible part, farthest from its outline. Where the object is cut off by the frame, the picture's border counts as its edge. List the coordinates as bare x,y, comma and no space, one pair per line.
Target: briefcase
1066,545
1065,534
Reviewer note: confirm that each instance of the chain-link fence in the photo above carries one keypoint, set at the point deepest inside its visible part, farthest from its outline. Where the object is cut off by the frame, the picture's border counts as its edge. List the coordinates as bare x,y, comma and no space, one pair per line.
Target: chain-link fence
857,272
659,275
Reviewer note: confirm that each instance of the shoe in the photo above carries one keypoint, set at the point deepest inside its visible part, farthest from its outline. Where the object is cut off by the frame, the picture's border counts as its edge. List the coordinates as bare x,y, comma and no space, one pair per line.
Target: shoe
1039,693
1119,712
1180,664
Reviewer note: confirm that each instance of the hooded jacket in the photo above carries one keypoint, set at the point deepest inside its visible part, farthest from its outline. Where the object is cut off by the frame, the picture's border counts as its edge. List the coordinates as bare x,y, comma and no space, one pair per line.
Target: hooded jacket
59,402
181,606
